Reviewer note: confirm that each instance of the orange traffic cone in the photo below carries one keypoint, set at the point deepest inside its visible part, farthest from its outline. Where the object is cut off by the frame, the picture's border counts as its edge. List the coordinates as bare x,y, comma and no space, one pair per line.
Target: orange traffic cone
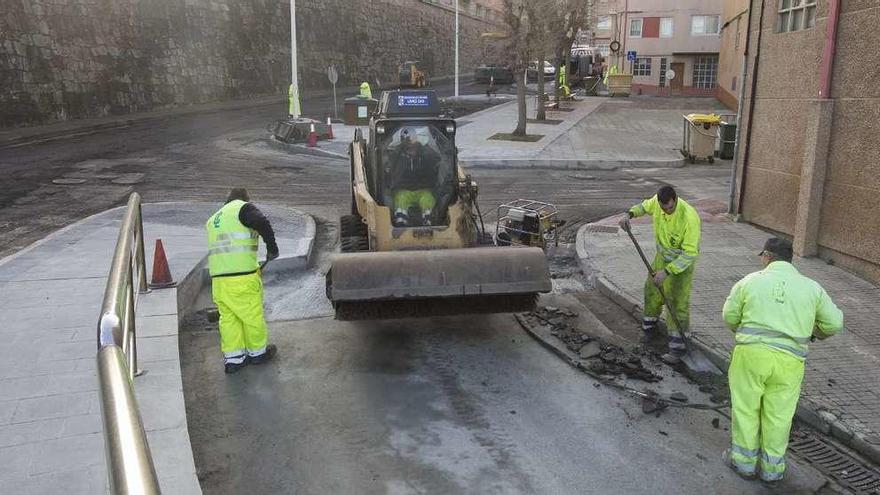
161,271
313,136
329,128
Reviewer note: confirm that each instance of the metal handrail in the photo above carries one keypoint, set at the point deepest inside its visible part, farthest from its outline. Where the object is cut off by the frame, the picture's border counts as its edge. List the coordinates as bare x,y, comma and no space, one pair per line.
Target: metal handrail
129,463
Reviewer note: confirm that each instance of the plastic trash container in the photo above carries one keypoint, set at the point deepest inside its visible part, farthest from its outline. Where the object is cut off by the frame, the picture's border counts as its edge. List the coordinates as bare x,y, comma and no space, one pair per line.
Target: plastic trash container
727,134
699,134
357,110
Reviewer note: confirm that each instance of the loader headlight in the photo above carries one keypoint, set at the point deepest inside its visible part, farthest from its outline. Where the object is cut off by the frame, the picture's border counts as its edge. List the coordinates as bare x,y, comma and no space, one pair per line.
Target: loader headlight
380,129
450,128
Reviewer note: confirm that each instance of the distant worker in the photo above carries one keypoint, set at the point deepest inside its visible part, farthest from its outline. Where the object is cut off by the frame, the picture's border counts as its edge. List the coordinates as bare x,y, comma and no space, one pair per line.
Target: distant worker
774,313
677,235
415,178
366,92
236,284
562,82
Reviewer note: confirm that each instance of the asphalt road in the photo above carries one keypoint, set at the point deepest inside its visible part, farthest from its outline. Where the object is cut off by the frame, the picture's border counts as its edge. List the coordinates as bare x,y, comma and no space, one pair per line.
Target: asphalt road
442,405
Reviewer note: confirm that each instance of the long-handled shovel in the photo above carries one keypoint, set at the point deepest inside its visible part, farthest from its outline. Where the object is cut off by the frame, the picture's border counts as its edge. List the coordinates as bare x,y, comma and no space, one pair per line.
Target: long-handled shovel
692,359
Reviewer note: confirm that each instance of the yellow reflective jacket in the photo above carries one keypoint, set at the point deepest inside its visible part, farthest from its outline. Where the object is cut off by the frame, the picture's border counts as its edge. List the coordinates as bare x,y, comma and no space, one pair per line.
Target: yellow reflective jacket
366,92
232,247
677,235
780,308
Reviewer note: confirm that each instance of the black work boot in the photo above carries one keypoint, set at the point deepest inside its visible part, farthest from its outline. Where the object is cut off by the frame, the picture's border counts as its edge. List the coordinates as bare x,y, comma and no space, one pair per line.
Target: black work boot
230,368
271,350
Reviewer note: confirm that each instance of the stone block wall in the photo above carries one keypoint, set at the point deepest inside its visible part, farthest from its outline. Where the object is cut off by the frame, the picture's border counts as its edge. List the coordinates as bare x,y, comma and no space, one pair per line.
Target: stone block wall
70,59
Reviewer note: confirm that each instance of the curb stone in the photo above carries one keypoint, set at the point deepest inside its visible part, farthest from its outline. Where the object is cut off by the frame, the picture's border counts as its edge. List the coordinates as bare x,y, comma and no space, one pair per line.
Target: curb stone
568,164
300,149
807,411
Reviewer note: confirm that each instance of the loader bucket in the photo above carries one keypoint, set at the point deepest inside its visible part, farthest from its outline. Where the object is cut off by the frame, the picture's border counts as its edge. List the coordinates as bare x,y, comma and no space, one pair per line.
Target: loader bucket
428,283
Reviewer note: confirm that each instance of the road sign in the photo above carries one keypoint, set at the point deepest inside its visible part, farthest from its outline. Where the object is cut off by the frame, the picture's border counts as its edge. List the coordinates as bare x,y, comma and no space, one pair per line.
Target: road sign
631,56
670,75
332,75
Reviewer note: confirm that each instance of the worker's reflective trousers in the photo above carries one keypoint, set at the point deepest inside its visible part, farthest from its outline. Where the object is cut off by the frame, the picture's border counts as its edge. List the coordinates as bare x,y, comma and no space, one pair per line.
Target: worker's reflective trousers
678,291
765,385
243,329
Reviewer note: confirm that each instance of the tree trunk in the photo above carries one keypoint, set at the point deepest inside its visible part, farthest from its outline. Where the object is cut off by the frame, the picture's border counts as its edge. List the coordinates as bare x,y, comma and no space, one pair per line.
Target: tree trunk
542,112
521,102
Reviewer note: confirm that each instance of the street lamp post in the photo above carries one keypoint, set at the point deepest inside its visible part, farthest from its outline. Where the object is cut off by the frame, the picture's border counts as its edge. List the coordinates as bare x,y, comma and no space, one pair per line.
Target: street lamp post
456,48
293,69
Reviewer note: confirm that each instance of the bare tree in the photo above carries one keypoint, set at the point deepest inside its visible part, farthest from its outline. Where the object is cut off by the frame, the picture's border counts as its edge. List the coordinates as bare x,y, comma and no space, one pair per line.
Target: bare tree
542,16
572,16
516,18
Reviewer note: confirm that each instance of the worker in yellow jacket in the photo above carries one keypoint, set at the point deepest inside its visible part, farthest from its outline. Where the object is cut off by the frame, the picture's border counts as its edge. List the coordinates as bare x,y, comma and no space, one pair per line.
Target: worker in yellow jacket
775,313
677,235
365,91
236,284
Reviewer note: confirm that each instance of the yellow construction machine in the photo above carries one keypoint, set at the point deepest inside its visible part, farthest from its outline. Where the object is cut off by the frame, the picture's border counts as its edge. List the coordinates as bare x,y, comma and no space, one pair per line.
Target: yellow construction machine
411,74
414,243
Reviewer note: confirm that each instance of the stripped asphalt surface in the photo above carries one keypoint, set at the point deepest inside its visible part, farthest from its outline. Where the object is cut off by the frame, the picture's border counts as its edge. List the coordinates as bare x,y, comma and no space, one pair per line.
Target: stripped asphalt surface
455,404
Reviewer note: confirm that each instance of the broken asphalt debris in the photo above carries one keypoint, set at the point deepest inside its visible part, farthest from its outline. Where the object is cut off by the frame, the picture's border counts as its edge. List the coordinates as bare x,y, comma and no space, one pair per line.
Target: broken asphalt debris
608,363
612,360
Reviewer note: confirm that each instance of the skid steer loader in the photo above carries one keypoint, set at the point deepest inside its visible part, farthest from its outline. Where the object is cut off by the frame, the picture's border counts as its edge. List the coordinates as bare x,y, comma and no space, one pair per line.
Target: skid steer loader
414,243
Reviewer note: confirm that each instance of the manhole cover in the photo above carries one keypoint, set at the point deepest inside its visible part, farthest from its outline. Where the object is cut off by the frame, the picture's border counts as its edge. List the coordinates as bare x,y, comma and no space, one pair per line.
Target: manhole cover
68,182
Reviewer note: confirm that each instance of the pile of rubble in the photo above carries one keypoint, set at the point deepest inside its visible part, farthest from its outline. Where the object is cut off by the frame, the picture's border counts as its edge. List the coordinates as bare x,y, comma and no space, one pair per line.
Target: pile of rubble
602,358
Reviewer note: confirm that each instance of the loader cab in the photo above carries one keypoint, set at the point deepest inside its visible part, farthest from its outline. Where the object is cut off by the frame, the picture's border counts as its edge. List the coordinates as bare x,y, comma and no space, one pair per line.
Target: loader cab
413,159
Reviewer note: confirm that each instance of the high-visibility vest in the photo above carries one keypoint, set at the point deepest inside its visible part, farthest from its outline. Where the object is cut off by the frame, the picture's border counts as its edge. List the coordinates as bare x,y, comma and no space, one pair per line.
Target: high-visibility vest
780,308
232,247
366,92
677,235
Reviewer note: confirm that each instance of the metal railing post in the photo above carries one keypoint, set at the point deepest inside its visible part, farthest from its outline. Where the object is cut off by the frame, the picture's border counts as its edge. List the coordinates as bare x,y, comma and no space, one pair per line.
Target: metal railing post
140,259
129,463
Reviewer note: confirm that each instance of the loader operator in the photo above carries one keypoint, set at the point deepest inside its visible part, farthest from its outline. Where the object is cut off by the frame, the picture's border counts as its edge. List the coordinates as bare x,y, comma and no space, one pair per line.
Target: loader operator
415,178
677,234
236,283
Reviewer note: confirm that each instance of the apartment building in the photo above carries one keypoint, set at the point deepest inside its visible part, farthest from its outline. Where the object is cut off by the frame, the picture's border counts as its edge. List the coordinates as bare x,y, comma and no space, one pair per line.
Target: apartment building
734,19
809,165
681,36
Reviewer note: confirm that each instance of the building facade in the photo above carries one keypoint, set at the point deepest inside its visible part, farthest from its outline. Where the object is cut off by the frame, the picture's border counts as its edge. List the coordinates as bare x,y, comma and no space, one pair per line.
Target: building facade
734,17
681,36
809,165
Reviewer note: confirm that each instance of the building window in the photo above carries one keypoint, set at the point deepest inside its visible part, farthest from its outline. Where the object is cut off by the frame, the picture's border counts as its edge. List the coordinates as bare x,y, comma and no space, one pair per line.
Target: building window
705,72
604,22
663,68
635,28
795,15
666,27
642,66
603,49
704,25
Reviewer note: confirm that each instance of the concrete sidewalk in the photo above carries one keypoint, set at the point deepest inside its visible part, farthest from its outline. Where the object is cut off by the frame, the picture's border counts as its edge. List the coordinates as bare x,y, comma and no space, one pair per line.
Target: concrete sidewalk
51,432
593,133
840,394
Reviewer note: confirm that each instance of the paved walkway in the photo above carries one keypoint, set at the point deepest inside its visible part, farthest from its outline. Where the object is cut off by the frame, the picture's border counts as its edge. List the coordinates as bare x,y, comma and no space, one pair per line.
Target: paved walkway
595,133
51,433
840,391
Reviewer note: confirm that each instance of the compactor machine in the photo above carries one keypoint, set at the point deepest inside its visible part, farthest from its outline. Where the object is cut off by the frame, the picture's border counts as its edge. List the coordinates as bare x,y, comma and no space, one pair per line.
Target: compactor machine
414,243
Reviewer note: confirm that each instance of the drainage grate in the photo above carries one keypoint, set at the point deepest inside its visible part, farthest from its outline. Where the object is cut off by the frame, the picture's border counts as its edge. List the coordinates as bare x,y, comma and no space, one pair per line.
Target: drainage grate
846,470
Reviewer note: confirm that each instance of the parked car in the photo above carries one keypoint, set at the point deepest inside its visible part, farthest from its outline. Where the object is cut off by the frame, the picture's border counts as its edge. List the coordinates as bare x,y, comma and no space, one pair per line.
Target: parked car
503,74
532,72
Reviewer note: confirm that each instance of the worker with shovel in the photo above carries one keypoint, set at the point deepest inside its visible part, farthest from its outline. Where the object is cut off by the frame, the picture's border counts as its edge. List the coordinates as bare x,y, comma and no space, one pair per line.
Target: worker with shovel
236,284
677,235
